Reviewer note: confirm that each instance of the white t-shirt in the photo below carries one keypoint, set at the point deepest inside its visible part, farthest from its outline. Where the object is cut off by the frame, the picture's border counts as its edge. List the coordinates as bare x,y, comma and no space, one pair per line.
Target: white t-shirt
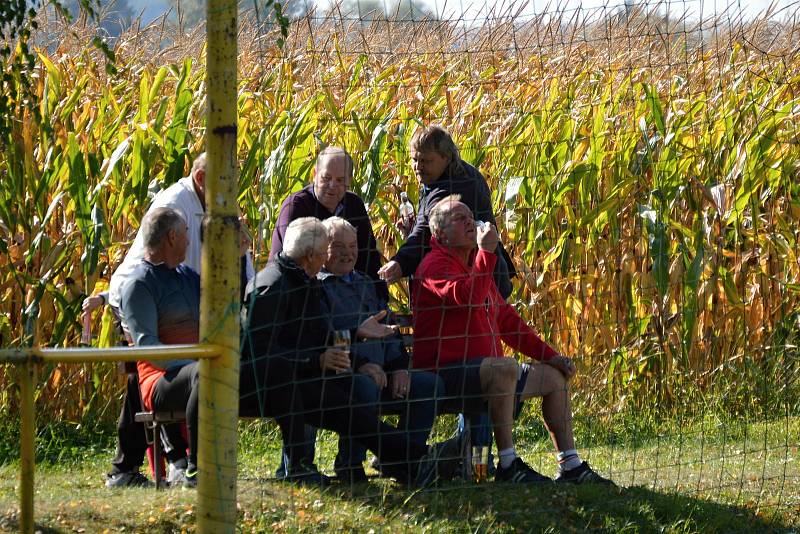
180,196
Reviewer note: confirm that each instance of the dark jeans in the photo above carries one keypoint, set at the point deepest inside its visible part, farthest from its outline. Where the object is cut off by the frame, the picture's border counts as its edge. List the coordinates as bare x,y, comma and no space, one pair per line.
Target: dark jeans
323,402
131,439
417,412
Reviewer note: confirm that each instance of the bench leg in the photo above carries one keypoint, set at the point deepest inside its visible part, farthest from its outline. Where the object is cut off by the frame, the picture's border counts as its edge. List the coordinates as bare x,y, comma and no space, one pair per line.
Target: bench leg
157,454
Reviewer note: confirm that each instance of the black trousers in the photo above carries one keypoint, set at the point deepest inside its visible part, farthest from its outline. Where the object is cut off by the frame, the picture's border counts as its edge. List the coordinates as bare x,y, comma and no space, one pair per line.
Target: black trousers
272,387
178,390
131,438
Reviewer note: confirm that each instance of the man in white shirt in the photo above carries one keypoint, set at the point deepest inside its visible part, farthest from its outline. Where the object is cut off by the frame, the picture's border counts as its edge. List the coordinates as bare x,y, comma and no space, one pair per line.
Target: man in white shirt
187,196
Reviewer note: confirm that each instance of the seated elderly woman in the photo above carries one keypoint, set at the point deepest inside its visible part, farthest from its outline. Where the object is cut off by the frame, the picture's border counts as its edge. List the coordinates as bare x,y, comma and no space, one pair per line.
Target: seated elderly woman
382,377
286,343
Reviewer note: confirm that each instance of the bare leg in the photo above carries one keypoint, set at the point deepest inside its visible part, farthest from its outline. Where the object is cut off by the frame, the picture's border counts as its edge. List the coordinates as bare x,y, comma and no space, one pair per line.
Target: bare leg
499,382
548,382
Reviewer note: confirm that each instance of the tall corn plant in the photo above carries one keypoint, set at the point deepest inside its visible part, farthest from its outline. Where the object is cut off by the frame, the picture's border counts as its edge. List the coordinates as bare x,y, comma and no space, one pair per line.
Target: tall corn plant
652,214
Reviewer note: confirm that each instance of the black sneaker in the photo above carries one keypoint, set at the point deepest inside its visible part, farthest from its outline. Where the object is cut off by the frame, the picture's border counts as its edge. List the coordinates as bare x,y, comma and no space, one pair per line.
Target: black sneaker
443,460
306,474
128,479
352,475
583,474
189,480
520,473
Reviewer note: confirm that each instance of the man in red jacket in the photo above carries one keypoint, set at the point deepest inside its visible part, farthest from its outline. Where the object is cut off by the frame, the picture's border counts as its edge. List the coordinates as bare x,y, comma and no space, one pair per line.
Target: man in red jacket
460,323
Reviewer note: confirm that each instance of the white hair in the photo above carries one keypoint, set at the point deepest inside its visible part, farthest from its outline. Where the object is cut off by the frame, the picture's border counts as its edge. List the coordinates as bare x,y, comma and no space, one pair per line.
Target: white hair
303,236
199,163
337,223
439,217
336,152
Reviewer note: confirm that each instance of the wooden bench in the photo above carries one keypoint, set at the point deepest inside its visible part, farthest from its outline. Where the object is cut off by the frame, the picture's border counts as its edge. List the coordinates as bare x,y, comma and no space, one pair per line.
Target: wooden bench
153,421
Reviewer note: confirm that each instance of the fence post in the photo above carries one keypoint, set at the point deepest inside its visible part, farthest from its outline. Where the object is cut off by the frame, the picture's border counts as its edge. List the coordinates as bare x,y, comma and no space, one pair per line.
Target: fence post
27,446
219,307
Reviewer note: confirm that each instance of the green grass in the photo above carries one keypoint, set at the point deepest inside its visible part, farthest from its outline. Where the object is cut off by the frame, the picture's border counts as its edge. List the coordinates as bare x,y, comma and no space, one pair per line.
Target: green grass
698,477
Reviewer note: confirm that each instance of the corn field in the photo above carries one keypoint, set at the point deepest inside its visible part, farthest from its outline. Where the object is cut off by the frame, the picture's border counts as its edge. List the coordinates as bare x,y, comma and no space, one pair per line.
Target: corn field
647,180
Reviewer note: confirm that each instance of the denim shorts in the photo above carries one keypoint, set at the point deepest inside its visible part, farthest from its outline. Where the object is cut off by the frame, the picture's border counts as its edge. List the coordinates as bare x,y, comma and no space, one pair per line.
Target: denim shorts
462,386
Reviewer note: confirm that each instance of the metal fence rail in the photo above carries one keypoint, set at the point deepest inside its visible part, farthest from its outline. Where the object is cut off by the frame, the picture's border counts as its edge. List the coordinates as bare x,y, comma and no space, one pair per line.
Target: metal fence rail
27,359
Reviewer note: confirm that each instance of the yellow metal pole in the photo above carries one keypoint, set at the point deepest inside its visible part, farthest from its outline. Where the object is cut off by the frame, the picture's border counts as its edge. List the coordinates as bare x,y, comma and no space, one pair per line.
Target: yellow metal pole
114,354
219,305
27,449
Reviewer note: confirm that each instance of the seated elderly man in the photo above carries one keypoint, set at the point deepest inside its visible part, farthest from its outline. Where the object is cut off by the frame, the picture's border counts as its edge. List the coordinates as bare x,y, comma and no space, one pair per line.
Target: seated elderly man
286,328
460,323
326,196
382,376
160,304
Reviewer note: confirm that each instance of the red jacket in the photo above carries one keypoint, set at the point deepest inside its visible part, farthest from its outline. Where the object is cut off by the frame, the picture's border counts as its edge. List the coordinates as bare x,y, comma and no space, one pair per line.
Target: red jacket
459,315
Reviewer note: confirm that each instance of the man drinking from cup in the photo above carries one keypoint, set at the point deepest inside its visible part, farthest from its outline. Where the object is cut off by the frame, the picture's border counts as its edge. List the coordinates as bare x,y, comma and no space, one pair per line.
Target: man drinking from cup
460,324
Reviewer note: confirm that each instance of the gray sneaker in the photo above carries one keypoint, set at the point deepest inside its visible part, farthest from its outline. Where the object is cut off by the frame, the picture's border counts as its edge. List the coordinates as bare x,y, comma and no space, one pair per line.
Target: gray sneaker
128,479
176,476
443,460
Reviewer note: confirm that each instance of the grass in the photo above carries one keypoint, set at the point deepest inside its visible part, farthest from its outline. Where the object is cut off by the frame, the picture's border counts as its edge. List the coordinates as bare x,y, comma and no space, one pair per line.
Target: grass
698,477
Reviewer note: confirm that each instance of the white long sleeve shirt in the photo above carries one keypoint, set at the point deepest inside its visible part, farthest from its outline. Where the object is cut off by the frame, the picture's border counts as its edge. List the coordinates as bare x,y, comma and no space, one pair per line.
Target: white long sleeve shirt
180,196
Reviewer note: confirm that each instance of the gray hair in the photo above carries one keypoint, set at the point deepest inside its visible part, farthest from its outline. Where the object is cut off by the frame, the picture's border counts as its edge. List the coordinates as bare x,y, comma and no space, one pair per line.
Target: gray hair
434,138
157,224
332,224
335,151
303,236
440,214
199,163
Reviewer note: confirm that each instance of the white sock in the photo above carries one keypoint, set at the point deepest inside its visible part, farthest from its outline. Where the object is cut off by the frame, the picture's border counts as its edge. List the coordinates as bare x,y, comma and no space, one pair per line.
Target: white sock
507,457
568,459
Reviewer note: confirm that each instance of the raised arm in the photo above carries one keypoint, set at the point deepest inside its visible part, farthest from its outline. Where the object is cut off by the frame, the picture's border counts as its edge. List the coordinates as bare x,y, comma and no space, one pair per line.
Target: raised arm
460,288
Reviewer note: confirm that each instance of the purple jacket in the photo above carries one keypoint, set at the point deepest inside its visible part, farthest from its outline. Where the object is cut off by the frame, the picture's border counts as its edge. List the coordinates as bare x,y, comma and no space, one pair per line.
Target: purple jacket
303,203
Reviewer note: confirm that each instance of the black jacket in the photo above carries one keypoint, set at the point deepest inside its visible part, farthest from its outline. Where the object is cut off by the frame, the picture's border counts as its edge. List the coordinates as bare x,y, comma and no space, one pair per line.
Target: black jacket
285,315
463,179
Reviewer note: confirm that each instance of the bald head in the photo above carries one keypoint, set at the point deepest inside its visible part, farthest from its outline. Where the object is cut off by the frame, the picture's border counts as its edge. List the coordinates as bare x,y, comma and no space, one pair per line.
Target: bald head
332,175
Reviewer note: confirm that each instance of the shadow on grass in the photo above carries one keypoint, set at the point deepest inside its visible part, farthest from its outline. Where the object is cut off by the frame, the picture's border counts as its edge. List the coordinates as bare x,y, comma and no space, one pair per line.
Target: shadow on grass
509,508
267,505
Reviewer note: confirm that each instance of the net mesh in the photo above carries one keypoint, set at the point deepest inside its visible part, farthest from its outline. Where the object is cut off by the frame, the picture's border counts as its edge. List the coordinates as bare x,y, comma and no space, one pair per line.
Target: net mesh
641,163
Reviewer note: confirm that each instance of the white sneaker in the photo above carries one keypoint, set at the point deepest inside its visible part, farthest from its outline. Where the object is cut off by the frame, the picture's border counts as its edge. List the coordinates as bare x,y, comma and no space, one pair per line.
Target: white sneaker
175,475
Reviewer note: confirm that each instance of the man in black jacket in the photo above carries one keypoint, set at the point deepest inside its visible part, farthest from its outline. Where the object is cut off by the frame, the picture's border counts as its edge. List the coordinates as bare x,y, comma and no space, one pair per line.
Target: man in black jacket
285,345
442,173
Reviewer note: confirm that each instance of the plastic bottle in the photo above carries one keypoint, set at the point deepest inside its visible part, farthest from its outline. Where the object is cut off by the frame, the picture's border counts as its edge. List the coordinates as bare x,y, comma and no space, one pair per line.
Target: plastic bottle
406,211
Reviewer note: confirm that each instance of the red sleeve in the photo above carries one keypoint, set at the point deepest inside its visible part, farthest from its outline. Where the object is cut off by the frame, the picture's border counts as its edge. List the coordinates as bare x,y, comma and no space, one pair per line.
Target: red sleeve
459,288
518,335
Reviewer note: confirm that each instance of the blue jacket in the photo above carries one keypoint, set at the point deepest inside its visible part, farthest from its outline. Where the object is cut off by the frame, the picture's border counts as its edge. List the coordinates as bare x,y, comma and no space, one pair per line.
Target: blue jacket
353,299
